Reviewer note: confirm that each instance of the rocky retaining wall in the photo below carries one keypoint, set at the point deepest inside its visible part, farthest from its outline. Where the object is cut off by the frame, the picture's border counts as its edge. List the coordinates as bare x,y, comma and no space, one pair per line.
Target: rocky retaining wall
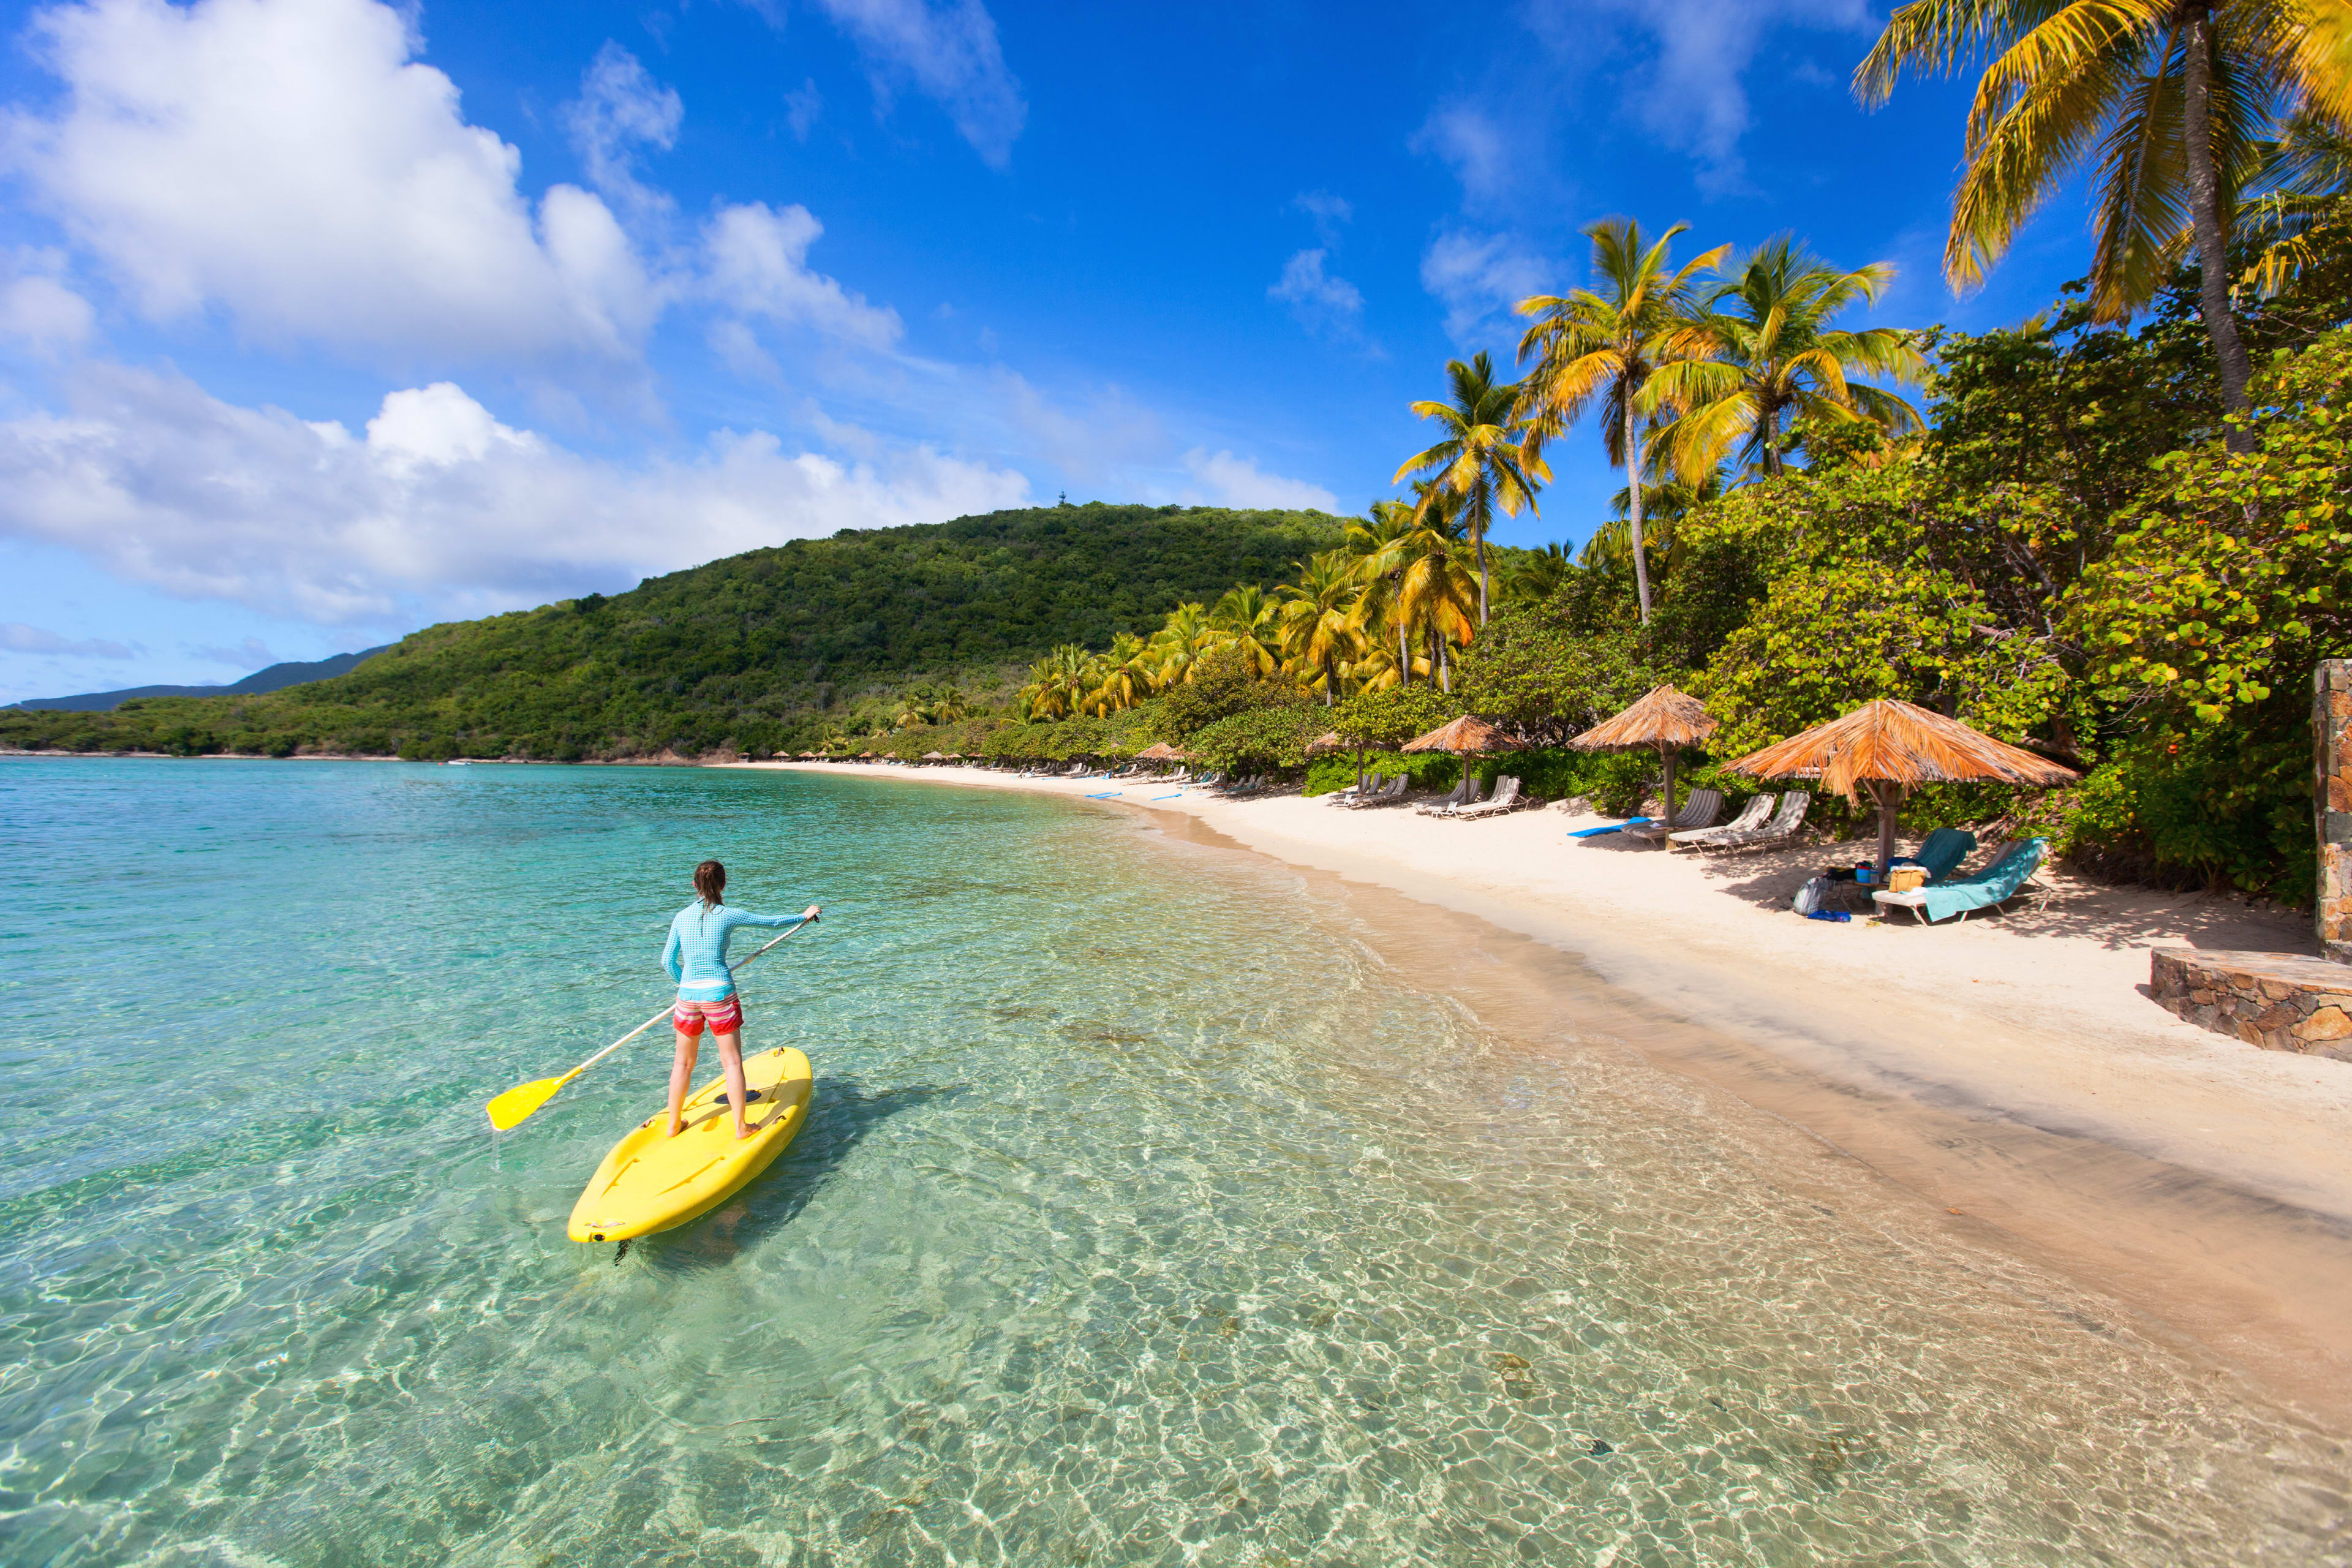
2275,1000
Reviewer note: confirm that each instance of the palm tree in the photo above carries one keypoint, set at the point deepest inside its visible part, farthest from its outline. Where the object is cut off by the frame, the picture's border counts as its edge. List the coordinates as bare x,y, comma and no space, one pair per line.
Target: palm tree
1244,621
1605,344
1059,684
1773,356
1434,595
1316,632
2304,178
2170,99
1478,464
1378,568
1664,506
1178,641
1531,576
1126,674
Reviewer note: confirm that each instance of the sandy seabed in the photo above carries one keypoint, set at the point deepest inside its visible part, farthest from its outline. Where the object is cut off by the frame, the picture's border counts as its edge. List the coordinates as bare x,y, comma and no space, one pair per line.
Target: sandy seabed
2010,1071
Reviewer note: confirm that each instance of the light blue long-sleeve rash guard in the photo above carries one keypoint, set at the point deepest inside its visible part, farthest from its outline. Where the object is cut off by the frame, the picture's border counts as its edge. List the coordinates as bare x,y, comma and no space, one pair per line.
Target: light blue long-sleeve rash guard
695,955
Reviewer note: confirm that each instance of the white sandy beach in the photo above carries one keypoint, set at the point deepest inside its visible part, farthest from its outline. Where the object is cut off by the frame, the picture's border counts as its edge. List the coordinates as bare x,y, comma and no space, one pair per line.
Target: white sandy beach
2011,1070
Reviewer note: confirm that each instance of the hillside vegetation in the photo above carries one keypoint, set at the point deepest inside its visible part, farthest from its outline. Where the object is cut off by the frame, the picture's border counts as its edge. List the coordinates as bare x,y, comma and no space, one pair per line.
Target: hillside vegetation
752,653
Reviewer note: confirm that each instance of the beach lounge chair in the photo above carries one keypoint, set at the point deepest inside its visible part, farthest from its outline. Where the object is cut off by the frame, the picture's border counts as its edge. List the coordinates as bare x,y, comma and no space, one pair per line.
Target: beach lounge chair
1387,794
1779,830
1699,811
1942,852
1343,795
1507,798
1996,884
1752,815
1461,794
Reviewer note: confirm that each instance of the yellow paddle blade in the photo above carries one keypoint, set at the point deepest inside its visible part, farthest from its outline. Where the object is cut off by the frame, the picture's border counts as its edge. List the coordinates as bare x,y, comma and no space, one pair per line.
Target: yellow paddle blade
517,1104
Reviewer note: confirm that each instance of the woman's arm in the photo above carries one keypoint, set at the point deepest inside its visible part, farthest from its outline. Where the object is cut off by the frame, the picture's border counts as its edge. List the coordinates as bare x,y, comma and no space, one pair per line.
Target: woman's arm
670,956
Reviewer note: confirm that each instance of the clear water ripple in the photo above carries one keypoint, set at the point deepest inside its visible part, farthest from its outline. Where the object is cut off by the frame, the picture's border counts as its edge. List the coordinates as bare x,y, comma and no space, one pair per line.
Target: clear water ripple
1143,1218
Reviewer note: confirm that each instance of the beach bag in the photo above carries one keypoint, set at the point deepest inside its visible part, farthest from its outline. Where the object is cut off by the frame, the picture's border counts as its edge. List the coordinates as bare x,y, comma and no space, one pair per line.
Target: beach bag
1907,878
1808,897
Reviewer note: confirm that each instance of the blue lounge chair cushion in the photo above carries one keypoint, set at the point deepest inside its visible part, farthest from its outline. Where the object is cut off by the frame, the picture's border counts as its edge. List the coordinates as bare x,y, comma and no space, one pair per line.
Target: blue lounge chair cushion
1612,828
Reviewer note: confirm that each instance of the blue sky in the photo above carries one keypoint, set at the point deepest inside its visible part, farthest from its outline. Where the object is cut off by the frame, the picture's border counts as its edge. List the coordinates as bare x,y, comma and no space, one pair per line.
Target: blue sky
321,321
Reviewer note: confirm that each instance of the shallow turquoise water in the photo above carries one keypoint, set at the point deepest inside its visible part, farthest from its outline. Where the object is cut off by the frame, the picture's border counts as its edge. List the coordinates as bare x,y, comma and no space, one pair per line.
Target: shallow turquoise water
1143,1216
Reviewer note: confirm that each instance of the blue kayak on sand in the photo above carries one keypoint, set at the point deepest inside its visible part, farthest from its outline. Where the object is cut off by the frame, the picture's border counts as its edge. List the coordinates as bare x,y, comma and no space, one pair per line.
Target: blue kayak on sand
1612,828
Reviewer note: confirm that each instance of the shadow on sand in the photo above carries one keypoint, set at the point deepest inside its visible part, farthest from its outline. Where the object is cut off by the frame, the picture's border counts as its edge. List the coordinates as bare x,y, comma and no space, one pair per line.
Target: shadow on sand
843,1113
2114,915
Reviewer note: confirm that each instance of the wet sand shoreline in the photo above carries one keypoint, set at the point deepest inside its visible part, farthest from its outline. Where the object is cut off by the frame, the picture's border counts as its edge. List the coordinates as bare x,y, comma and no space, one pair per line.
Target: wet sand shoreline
2210,1213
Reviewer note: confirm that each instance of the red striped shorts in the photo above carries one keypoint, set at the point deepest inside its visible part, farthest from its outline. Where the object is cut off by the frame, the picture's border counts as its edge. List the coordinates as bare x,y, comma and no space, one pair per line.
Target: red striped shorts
725,1016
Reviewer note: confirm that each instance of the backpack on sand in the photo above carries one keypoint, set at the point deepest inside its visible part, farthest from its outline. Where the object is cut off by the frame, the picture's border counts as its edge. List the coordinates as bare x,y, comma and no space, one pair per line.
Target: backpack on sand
1809,898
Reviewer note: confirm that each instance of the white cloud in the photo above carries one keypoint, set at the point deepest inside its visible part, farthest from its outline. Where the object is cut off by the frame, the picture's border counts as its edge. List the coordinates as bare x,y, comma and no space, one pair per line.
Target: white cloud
803,106
39,309
286,163
16,636
1477,147
619,109
1328,210
1479,278
1322,303
1220,479
439,508
1104,437
948,51
1692,91
758,261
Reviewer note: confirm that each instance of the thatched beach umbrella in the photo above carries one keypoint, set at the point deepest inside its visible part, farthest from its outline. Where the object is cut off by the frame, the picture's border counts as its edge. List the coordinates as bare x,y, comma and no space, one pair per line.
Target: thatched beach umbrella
1465,737
1158,752
1665,720
935,756
1891,748
1328,741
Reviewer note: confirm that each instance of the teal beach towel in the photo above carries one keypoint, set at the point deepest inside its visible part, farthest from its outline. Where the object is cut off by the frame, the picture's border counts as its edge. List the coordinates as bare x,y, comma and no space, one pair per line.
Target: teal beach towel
1987,888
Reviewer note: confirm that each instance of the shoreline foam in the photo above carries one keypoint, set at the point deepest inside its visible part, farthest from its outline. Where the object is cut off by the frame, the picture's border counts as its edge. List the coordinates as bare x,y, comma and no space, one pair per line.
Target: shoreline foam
2011,1072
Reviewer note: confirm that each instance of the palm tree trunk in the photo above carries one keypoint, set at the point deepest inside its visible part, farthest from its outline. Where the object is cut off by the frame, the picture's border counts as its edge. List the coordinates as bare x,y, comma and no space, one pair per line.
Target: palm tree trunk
1633,508
1404,652
2212,240
1445,676
1479,538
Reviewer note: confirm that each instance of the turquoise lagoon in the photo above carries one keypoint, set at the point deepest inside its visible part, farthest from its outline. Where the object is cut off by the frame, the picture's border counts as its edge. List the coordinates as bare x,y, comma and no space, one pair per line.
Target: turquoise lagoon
1146,1214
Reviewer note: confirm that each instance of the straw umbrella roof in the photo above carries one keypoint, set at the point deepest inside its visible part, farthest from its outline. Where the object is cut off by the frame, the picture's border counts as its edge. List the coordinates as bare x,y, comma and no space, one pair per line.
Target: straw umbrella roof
864,754
1900,743
935,756
1466,734
1664,717
1328,741
1160,751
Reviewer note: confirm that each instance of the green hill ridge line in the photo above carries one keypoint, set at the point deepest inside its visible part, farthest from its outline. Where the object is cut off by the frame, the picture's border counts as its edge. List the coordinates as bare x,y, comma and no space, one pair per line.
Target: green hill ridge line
749,653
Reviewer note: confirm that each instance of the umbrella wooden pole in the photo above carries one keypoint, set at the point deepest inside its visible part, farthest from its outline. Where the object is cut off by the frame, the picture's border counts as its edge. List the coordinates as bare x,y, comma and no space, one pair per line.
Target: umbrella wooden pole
1889,796
1667,839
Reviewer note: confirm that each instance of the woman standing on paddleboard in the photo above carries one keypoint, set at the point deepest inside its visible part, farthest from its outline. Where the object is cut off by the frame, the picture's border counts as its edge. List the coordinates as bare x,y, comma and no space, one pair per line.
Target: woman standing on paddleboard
696,958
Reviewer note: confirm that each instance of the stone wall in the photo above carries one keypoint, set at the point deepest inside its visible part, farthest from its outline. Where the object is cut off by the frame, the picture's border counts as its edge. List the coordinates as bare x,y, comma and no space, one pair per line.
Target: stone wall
2331,725
2278,1000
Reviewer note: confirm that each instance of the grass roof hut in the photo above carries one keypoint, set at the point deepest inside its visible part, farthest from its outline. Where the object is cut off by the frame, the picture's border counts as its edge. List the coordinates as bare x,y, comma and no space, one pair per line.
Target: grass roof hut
1665,720
1890,748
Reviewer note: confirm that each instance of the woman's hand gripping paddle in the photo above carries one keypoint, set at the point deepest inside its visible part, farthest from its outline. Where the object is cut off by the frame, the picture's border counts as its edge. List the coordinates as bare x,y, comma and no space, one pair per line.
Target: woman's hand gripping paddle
518,1104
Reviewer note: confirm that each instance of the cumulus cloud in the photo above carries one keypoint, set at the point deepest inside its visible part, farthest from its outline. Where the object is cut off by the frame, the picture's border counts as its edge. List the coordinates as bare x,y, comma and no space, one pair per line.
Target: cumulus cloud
1475,144
758,265
437,507
1478,278
39,310
946,51
1220,479
620,109
1691,90
16,636
286,162
1323,304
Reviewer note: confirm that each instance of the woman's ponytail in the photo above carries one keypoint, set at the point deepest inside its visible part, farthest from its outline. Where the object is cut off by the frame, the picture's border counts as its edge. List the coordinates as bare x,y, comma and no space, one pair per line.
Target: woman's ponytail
711,881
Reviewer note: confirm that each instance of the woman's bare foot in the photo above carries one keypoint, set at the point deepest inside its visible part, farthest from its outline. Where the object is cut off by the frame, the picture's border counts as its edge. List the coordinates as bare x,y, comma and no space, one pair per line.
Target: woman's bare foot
676,1128
744,1132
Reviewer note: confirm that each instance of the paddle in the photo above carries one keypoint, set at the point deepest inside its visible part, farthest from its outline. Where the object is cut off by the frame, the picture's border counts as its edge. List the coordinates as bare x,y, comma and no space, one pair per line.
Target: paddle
516,1105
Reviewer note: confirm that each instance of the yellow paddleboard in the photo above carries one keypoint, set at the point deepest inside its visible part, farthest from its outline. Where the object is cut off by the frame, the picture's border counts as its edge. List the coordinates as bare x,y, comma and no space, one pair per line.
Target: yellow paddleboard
651,1181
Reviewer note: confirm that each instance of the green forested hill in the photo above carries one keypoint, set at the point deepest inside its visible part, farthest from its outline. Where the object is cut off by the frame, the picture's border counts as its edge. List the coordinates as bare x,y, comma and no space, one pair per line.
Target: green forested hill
753,651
